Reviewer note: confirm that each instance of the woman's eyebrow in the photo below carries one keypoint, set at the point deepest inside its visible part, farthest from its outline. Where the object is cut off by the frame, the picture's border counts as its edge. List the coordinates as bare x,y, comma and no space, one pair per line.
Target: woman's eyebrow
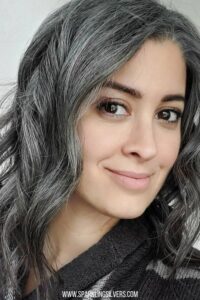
137,94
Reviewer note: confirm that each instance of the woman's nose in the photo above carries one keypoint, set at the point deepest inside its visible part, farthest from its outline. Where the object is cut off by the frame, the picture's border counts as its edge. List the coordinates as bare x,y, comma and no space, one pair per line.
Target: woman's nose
141,141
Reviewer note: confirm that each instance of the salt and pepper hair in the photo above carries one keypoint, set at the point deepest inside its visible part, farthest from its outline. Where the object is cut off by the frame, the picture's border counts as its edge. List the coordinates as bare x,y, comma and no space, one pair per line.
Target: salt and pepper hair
74,52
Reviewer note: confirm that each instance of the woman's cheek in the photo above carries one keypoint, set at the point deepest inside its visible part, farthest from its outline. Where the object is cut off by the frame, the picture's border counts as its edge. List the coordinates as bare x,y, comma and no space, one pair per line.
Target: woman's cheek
169,150
99,138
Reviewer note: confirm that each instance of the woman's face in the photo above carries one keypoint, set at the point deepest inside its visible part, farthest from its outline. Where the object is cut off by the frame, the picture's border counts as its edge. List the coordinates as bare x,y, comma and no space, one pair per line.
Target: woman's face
137,132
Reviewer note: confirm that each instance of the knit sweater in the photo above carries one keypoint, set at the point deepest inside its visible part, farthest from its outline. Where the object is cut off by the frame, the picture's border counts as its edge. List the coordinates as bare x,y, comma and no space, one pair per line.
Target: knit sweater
120,266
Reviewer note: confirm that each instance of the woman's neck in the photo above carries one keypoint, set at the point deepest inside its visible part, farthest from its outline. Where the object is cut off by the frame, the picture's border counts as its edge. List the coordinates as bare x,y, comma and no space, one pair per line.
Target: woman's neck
76,228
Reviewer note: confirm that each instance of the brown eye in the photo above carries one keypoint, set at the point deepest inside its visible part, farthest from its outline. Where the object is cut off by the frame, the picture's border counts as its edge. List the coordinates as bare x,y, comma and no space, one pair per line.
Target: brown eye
114,108
169,115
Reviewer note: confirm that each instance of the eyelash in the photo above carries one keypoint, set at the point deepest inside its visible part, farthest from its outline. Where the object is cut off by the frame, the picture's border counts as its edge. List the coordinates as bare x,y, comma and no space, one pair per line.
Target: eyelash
106,101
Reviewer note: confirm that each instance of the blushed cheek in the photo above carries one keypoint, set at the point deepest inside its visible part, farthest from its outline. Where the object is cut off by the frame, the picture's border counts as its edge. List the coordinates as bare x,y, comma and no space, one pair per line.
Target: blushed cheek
169,153
98,143
99,138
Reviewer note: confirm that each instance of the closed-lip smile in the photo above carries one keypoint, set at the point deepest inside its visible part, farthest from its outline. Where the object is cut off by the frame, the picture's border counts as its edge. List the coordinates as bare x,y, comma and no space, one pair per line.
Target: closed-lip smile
130,180
131,174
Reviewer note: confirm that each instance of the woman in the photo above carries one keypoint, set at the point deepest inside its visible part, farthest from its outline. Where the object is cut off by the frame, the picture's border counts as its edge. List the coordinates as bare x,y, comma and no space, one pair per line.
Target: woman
99,153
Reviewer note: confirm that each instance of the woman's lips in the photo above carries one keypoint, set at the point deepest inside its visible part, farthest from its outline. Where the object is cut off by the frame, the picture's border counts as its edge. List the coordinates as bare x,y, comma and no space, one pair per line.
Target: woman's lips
135,182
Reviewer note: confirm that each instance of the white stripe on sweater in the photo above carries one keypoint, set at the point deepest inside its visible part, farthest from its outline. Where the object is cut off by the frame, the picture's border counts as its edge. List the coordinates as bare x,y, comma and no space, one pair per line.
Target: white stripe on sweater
163,271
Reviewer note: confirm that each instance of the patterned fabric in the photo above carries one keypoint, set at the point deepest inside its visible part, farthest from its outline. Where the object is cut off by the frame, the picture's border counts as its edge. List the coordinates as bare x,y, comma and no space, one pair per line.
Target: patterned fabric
121,266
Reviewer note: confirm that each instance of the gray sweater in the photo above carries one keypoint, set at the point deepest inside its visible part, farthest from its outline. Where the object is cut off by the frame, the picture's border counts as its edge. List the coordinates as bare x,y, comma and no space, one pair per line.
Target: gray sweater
121,266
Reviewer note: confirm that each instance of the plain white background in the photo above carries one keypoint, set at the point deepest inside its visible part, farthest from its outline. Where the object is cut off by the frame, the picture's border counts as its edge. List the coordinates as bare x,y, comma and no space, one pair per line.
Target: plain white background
19,19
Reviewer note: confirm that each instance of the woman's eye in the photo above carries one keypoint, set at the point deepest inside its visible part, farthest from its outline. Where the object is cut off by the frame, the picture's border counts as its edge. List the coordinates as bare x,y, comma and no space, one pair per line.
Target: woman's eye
114,108
169,115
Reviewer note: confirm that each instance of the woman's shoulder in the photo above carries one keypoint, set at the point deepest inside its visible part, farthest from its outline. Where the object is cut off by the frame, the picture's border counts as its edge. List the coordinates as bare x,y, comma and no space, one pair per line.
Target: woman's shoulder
183,272
185,283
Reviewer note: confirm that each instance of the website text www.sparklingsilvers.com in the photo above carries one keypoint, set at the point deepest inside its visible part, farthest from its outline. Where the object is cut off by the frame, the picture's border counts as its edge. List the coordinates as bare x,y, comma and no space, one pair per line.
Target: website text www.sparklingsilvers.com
101,294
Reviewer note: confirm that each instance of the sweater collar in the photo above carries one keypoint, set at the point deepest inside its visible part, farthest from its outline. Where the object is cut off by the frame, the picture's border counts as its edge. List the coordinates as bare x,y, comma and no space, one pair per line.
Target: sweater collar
126,237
